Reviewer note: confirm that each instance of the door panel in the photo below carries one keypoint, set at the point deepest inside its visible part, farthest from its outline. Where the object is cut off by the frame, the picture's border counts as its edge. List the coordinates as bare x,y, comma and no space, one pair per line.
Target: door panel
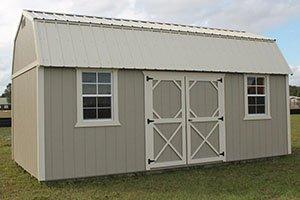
205,118
165,120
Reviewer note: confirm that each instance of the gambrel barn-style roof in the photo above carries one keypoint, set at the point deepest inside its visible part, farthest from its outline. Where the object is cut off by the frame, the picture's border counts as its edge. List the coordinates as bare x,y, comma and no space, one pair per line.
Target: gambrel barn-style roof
66,40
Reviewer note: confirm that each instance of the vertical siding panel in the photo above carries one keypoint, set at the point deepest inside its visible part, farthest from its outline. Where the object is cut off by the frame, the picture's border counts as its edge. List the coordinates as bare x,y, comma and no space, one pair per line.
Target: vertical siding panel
139,125
282,140
273,110
256,138
241,115
111,162
68,87
79,143
121,134
101,151
280,110
274,139
48,125
129,126
234,140
56,119
90,151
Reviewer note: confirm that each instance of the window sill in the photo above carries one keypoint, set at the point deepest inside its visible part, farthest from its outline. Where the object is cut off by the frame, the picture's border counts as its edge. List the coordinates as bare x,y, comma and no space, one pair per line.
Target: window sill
97,123
258,117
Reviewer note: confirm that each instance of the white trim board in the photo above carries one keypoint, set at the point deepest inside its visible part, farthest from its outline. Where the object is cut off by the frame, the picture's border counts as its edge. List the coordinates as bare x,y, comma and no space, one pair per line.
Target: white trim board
289,145
40,124
25,69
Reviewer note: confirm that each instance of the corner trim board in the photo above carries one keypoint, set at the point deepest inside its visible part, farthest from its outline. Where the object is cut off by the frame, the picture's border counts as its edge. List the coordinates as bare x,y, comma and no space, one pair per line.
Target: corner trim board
289,146
40,124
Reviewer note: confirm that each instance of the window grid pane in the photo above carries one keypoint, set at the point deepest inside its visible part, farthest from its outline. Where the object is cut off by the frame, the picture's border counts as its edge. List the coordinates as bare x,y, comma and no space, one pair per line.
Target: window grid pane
96,95
256,96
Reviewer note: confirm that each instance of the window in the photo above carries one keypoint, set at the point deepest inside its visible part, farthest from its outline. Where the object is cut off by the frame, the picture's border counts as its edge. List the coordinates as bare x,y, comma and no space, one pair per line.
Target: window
97,98
257,97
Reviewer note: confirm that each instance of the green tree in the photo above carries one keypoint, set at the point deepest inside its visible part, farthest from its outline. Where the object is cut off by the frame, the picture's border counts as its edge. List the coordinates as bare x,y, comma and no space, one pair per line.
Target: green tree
7,93
294,91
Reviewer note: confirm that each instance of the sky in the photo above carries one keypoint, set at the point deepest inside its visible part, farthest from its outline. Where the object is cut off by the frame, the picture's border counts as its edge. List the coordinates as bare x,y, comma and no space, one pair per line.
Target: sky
278,19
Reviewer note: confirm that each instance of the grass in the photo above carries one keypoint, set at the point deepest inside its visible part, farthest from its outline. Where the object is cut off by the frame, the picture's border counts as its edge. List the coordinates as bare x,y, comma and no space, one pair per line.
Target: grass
277,178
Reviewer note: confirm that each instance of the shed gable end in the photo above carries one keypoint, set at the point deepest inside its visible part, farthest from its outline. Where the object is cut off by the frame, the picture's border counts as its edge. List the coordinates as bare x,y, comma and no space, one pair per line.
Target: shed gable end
24,46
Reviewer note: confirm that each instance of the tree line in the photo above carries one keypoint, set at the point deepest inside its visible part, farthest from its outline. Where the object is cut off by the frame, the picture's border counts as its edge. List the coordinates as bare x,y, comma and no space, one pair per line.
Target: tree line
294,91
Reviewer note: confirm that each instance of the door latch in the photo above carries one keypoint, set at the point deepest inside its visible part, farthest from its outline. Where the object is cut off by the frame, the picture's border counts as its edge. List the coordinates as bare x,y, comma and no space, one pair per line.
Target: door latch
221,118
149,121
148,78
150,161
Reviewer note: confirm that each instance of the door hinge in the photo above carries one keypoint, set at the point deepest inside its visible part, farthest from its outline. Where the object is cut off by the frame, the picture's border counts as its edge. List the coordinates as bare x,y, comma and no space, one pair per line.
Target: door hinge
148,78
149,121
221,118
222,154
150,161
220,80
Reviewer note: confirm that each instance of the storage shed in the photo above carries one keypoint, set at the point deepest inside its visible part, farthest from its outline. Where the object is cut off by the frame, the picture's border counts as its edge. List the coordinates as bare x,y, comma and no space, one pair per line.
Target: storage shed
96,96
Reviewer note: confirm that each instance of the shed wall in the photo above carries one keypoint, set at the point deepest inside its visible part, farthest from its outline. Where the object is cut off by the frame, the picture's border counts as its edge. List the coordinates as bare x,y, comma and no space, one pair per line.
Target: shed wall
24,100
80,152
247,139
24,49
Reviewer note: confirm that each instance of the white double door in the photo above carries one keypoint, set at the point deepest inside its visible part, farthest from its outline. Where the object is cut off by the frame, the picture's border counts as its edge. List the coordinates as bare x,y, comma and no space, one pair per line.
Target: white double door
184,118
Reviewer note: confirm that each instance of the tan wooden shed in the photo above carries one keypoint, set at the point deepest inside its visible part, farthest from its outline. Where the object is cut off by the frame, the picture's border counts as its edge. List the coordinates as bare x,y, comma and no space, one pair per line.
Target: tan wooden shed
95,96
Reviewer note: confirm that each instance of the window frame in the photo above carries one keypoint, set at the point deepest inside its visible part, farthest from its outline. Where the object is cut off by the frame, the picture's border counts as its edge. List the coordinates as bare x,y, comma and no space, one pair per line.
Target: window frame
114,120
267,114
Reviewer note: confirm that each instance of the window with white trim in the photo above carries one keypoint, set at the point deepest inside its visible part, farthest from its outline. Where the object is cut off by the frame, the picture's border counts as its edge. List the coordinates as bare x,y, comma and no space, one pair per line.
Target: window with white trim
256,96
96,95
97,98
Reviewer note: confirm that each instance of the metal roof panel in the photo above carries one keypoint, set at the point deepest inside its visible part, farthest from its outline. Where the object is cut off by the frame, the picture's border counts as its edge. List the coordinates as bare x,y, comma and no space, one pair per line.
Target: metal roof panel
65,43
